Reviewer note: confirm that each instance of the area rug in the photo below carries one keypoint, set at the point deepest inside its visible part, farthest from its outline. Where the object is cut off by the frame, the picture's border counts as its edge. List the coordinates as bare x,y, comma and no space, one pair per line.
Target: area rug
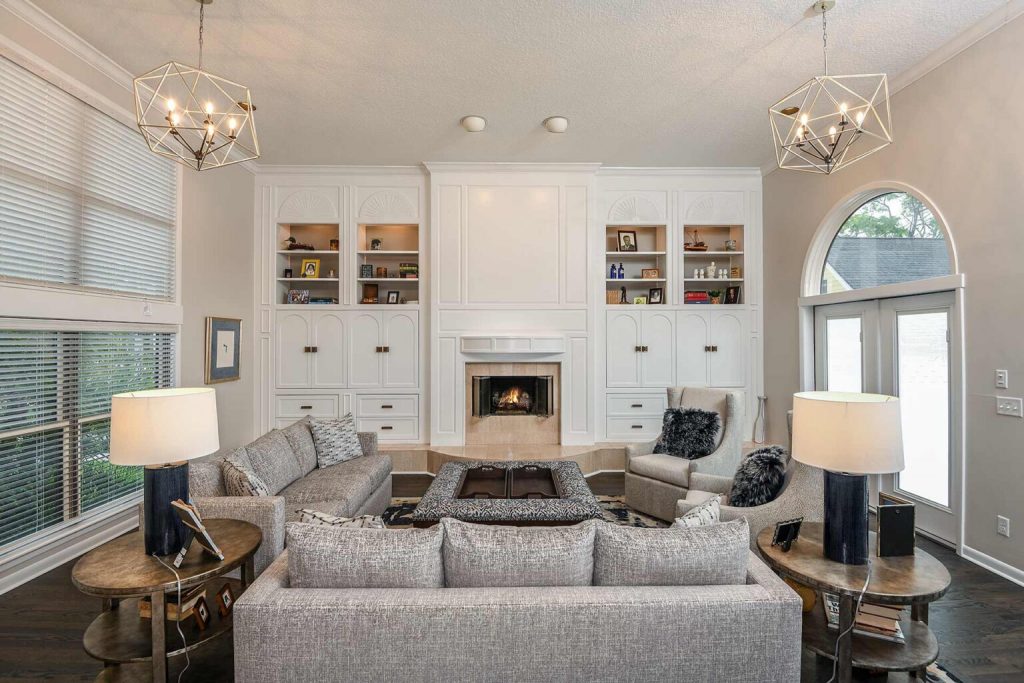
613,508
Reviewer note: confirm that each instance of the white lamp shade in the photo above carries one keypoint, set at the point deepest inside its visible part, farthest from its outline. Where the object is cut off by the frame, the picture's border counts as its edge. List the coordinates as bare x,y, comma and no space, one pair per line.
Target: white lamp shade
846,432
161,426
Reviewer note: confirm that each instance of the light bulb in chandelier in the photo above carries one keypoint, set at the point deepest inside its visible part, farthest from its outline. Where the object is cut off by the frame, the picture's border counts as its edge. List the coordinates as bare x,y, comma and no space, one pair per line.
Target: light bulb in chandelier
209,108
832,134
860,118
170,105
232,125
842,114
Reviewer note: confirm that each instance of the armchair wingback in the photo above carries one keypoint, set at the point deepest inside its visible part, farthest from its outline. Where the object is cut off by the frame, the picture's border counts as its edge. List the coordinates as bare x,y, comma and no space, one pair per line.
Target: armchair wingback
654,482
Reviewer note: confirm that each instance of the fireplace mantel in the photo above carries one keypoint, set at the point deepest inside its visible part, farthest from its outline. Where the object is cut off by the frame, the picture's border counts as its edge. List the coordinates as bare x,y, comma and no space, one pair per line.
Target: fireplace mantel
506,344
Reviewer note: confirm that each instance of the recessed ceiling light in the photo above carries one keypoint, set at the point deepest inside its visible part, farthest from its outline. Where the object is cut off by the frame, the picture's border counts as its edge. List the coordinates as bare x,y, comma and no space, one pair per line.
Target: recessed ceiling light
556,124
473,123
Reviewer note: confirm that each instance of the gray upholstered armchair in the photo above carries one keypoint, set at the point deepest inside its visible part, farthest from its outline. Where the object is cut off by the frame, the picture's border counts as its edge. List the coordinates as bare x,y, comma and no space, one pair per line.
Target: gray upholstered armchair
802,495
654,481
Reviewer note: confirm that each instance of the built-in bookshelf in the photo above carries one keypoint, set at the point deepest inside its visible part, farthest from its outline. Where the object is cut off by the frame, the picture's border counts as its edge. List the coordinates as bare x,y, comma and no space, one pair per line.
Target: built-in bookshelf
387,264
636,264
308,264
712,266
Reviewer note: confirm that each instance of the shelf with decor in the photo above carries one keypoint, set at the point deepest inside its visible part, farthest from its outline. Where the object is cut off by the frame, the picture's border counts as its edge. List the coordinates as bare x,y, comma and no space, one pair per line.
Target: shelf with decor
716,253
308,263
636,260
387,264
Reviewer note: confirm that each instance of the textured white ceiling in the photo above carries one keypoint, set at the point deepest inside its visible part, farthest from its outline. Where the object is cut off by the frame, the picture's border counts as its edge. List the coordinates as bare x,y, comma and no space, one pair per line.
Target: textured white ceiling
643,82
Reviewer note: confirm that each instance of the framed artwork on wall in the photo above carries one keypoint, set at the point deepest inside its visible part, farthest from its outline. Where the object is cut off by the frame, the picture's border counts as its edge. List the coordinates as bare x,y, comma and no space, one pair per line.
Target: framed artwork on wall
223,345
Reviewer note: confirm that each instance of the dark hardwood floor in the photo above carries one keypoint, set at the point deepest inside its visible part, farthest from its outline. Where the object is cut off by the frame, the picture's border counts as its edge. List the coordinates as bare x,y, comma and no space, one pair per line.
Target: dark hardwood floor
979,623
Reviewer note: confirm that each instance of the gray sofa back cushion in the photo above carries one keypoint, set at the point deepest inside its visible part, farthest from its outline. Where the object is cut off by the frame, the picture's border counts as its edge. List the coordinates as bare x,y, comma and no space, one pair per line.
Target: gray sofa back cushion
205,479
239,477
300,438
332,557
483,555
700,556
272,459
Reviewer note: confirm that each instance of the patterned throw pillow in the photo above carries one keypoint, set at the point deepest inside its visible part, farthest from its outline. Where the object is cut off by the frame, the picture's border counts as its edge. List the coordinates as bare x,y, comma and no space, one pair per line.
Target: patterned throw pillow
336,440
688,433
759,478
324,519
239,477
705,514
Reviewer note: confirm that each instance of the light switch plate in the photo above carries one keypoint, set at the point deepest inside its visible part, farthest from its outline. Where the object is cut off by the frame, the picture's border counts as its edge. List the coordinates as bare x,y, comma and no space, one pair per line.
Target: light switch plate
1008,405
1002,379
1003,526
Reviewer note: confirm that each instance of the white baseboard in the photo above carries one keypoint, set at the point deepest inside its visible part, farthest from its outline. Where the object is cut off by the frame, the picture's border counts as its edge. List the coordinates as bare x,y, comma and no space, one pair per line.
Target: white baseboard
993,565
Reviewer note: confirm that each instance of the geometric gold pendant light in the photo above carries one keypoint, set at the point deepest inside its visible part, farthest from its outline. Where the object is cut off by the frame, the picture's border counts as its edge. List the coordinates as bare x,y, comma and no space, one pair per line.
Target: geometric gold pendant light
830,122
195,117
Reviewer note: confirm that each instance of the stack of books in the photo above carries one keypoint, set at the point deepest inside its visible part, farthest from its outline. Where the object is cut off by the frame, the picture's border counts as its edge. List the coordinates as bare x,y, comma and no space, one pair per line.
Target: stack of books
873,621
696,297
323,300
409,271
174,611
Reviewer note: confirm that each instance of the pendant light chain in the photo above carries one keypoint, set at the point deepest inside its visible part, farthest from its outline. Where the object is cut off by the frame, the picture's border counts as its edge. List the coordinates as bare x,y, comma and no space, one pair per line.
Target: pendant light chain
824,36
202,16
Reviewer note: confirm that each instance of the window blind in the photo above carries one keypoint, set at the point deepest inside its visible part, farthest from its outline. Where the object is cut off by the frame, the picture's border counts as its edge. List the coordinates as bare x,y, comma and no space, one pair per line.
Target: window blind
83,202
55,389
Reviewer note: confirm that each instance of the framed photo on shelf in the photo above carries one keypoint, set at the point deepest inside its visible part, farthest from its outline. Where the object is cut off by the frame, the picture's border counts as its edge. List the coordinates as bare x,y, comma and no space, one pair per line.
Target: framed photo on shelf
732,294
656,295
225,600
627,240
382,271
366,270
310,267
201,611
650,273
335,245
641,300
223,338
393,297
298,296
371,292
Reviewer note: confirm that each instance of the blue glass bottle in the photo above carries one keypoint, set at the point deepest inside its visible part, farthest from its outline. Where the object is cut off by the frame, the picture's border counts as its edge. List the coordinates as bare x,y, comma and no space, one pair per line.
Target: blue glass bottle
622,272
612,274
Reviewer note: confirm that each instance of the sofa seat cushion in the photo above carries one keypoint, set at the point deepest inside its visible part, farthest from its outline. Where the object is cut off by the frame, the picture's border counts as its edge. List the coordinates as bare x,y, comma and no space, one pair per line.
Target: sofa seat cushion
483,555
301,440
339,489
678,556
666,468
273,460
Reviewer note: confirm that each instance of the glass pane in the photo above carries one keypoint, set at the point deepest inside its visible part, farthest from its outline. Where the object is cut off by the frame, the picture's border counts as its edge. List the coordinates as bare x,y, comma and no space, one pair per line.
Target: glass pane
844,371
892,238
101,481
923,367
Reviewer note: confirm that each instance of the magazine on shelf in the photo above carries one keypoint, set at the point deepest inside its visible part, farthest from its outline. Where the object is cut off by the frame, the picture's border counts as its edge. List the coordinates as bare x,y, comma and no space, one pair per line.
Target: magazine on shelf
873,621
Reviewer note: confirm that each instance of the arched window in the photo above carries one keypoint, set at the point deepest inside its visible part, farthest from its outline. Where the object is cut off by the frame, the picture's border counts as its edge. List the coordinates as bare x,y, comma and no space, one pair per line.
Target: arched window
891,238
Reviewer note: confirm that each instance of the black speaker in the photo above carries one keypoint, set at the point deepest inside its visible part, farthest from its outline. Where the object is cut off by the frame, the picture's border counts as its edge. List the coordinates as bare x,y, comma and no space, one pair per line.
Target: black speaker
895,526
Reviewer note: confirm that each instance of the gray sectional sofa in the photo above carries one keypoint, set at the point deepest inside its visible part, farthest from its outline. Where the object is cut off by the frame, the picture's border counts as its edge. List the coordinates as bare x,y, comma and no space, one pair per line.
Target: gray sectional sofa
285,459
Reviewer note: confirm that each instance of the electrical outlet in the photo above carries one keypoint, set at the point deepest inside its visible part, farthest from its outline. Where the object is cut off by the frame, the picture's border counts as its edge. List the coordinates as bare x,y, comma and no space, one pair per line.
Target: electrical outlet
1008,405
1003,526
1002,379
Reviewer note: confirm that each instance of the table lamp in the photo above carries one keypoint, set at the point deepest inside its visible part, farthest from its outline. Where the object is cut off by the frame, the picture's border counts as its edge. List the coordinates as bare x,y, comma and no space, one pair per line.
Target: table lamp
162,429
849,436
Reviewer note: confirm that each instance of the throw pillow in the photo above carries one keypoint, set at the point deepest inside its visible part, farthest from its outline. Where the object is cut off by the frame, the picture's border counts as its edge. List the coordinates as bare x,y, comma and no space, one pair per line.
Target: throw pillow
759,478
508,556
688,433
704,514
239,477
677,556
324,519
329,557
336,440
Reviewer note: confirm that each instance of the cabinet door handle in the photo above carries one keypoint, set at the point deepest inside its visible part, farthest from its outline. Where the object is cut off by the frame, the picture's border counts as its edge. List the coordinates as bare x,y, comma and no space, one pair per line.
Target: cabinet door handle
386,406
714,349
637,405
305,407
644,348
637,426
314,349
638,349
305,349
386,427
379,349
387,349
707,349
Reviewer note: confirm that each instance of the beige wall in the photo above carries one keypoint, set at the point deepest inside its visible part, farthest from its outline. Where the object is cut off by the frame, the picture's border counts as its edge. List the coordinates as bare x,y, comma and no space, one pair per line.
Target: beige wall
217,280
956,143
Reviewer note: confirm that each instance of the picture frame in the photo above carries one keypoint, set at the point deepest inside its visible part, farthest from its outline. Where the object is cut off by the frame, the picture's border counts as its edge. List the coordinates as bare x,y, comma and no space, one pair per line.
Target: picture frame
627,240
732,294
786,533
225,600
656,295
298,296
393,296
310,268
223,349
366,270
334,245
650,273
288,273
640,300
201,613
376,244
382,271
371,292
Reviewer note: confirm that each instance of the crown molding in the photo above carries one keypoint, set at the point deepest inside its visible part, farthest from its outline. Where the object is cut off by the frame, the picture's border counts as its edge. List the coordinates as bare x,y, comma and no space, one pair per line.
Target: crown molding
298,169
735,171
508,167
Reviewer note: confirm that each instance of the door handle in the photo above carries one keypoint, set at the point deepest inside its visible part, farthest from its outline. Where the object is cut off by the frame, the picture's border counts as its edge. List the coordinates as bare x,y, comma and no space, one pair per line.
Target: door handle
386,427
637,405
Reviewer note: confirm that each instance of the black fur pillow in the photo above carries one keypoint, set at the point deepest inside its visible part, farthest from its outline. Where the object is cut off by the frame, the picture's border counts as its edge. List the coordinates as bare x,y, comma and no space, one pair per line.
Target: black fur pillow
688,433
759,477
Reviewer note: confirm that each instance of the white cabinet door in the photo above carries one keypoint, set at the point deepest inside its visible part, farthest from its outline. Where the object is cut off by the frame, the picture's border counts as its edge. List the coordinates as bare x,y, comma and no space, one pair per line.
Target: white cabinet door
401,355
728,358
364,349
692,334
623,358
329,343
294,337
657,360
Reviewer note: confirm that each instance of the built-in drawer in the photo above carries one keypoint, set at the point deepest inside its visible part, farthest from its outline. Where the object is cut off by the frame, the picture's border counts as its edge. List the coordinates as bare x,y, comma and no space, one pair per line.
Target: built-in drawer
396,429
637,404
633,428
387,406
300,406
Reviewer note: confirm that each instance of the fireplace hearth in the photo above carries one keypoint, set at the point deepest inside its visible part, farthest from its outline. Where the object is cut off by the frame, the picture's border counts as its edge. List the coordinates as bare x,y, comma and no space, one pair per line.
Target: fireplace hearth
513,395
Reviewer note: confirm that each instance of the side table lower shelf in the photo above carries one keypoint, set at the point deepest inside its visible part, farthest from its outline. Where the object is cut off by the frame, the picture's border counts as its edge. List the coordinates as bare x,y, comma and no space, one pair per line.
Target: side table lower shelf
920,649
214,663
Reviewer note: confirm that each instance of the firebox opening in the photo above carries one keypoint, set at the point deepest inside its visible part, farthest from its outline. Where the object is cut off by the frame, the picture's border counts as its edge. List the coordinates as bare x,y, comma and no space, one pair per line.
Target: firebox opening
524,395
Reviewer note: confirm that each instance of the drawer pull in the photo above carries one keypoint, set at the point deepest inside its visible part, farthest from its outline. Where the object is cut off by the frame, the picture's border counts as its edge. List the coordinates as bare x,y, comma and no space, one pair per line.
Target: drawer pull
637,405
386,427
386,406
637,426
305,407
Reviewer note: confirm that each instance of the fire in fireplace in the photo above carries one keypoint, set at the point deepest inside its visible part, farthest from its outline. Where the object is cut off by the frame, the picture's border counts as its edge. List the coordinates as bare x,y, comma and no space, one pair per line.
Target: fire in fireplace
525,395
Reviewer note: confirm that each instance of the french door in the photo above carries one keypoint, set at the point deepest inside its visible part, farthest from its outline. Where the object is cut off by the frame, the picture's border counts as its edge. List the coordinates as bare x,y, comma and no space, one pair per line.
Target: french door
904,347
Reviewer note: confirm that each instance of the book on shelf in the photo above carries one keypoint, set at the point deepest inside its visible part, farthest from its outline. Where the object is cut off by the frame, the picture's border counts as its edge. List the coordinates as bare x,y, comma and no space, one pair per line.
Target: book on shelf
696,297
873,621
409,271
173,610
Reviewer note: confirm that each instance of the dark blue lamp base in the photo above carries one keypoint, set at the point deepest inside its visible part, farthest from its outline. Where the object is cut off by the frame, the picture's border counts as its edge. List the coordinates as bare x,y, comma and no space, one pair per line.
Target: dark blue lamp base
163,531
846,517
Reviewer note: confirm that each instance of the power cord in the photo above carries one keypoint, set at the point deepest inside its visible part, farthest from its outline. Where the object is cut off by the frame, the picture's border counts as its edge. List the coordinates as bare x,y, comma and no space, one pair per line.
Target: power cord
177,622
856,611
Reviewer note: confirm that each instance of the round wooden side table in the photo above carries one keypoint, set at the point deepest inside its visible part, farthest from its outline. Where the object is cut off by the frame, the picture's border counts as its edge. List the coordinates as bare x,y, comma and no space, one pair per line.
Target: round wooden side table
914,580
136,648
